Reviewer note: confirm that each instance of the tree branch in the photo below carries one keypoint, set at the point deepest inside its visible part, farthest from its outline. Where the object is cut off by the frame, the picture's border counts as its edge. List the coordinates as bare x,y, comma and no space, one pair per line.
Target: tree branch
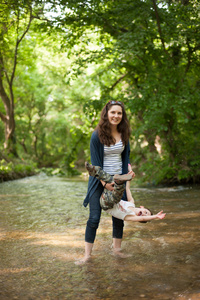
3,117
159,27
118,80
3,94
17,46
2,69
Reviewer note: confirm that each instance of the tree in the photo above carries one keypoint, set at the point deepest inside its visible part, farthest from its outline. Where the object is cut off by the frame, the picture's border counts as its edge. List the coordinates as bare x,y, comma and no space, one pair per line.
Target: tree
144,53
14,26
152,48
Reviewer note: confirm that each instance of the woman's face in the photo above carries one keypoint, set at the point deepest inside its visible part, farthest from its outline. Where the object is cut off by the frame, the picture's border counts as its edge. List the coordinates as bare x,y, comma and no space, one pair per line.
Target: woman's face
115,115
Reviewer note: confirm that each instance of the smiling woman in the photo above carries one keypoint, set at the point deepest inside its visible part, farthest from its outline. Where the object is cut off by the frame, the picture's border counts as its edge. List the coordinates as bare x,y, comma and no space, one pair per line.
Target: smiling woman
115,116
109,148
113,124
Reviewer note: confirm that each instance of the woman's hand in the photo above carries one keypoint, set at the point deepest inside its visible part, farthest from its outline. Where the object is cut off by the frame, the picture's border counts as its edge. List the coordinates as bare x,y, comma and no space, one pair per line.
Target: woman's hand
110,186
132,173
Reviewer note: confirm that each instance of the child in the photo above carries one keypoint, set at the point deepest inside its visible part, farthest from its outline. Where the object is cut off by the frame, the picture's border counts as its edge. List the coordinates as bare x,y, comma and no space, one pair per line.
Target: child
111,200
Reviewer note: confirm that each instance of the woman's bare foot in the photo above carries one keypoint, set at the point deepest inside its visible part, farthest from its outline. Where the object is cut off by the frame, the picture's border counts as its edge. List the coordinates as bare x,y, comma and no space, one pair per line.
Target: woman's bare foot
83,260
118,253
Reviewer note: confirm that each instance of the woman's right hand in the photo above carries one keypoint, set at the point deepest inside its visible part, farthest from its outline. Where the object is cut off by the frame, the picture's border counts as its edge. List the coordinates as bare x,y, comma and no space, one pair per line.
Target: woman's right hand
110,186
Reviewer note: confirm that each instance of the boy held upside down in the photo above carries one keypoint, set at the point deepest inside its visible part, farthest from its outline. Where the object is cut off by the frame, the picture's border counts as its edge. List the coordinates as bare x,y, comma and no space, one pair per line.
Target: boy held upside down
111,200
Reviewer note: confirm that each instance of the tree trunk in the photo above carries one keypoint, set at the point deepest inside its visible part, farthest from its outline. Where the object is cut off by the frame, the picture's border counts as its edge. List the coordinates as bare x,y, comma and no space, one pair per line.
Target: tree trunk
8,118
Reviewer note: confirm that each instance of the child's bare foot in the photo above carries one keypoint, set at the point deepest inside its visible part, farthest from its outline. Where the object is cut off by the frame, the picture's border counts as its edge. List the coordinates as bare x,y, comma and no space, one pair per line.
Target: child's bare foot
98,172
92,170
83,260
120,179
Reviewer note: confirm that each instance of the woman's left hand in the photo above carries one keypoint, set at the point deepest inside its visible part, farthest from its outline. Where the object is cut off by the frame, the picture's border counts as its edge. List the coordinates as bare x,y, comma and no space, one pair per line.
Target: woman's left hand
132,173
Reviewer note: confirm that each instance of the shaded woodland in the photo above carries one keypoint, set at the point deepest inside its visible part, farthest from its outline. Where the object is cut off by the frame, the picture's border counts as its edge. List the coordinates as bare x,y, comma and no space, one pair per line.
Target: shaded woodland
61,61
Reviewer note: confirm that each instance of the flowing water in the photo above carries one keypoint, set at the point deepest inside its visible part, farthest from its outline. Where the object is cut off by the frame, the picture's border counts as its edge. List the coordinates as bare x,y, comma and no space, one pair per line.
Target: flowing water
42,226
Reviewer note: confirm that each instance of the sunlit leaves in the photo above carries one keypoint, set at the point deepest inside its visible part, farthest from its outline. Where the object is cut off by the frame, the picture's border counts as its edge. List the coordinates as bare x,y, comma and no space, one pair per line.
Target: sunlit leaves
80,54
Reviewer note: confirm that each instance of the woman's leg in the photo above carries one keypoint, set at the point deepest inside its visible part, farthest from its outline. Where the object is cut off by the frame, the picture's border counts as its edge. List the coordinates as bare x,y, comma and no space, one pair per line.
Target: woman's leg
118,226
92,225
117,244
88,252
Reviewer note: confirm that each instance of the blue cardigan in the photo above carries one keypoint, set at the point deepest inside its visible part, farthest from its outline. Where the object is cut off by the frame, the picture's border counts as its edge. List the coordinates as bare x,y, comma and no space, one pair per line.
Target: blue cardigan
97,155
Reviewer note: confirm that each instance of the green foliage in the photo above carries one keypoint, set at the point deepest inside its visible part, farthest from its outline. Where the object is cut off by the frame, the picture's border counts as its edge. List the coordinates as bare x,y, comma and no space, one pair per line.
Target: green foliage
80,54
16,169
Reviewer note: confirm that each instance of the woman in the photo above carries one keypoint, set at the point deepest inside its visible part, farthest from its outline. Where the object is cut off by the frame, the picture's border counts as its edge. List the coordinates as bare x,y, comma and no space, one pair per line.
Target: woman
109,149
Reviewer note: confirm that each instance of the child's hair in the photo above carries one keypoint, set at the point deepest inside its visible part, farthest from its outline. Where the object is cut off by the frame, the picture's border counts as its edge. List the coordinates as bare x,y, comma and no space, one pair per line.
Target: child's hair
151,215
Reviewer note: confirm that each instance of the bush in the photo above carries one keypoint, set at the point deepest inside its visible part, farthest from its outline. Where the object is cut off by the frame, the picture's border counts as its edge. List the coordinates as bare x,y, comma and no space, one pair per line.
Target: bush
15,169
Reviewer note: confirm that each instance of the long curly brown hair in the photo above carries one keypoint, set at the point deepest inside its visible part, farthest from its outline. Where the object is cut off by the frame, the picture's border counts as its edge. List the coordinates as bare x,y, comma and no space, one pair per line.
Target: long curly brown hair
104,129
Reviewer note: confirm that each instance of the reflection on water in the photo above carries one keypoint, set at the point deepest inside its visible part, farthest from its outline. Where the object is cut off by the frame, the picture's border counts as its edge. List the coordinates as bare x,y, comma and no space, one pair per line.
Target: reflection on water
42,234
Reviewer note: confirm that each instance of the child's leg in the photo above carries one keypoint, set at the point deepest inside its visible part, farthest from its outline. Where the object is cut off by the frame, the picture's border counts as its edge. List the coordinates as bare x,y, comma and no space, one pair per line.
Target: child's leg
106,200
99,173
109,198
119,188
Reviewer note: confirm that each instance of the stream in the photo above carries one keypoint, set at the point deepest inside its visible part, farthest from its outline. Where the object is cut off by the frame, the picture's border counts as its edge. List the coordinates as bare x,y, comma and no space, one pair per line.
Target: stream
42,227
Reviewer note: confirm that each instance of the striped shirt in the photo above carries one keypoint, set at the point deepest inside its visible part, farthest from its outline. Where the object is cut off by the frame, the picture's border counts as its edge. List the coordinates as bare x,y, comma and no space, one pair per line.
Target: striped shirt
112,163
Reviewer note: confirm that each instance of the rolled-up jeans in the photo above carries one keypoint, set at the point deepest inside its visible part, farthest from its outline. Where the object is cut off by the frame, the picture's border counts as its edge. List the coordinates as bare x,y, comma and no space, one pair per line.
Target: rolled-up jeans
94,219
